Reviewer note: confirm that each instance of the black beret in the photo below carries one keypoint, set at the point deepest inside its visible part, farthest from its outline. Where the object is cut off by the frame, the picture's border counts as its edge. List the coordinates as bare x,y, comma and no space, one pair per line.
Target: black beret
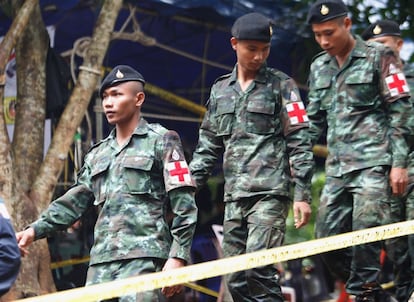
325,10
380,29
120,74
252,26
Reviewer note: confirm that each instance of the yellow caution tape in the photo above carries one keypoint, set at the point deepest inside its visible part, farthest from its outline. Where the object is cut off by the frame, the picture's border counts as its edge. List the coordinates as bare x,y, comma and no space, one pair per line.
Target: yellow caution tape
202,289
75,261
226,265
64,263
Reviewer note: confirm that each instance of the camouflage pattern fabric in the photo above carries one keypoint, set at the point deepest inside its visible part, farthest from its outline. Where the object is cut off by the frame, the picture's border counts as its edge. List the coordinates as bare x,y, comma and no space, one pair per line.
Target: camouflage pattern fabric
364,107
131,185
257,131
355,104
266,218
400,250
107,272
409,204
354,201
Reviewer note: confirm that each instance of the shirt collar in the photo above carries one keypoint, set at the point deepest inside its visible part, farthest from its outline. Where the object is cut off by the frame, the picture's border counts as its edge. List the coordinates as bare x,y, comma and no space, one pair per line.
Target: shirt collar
260,76
141,129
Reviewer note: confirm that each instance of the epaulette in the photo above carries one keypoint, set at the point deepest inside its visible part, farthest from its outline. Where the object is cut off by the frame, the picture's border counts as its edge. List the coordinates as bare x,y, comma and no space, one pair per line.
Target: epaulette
220,78
278,73
97,144
157,128
320,54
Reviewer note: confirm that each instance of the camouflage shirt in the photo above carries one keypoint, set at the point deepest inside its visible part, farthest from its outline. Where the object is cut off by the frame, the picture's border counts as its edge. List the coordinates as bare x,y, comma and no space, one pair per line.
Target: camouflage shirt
130,185
364,106
258,131
409,74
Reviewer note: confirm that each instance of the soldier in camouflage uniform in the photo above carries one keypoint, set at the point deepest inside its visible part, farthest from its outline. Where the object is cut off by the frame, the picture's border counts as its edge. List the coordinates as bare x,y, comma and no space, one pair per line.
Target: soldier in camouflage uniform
256,119
401,253
409,203
359,95
129,177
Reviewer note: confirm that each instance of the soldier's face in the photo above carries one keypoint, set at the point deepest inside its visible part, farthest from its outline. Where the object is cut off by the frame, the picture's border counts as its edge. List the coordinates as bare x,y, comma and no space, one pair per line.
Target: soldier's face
251,54
333,36
121,103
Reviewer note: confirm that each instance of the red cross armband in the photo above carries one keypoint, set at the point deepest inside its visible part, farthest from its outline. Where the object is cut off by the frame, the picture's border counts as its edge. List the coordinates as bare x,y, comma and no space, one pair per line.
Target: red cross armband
294,114
178,174
396,85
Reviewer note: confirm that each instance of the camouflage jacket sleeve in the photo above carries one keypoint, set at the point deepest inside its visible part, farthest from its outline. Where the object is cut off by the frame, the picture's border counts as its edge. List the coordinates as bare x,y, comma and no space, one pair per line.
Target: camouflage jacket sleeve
65,210
180,187
396,93
316,114
298,141
176,171
409,74
183,223
209,146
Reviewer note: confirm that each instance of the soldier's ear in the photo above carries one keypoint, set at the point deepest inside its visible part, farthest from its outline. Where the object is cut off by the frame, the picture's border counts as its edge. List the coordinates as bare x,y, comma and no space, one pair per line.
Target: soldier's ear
140,98
233,42
400,43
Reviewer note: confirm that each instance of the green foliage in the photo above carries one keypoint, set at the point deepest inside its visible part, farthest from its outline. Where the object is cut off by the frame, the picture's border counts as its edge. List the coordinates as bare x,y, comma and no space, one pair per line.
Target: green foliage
306,233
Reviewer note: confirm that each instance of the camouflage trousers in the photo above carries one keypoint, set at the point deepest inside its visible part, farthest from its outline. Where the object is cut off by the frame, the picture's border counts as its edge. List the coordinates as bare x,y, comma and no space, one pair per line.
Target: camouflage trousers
355,201
400,250
253,224
106,272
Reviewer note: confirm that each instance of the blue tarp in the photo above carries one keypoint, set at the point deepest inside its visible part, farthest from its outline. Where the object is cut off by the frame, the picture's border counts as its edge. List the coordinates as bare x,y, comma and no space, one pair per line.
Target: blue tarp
181,28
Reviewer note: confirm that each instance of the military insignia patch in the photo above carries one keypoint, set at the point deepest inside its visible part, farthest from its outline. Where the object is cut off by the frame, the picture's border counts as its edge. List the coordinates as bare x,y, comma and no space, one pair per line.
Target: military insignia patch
119,74
297,113
324,10
377,30
397,84
175,155
393,69
179,172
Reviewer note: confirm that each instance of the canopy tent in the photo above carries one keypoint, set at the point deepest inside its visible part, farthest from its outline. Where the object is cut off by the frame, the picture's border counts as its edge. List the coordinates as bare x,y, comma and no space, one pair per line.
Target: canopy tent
180,46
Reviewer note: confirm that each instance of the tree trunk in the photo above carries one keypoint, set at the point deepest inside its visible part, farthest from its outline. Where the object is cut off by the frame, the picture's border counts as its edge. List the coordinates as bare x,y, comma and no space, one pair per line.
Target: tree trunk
7,175
27,150
6,46
73,114
33,176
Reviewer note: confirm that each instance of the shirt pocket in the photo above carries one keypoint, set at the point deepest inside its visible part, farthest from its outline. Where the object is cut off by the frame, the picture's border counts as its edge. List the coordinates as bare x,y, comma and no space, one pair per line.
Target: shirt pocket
99,172
225,116
324,92
137,174
363,90
260,118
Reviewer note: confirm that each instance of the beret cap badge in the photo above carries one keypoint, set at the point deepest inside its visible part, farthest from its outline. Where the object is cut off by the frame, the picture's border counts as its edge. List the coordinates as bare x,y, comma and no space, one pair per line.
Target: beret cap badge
324,10
377,30
119,74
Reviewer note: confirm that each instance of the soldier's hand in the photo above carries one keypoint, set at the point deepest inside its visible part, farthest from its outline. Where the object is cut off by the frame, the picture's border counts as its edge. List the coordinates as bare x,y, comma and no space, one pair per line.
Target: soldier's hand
171,264
24,239
398,180
301,213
